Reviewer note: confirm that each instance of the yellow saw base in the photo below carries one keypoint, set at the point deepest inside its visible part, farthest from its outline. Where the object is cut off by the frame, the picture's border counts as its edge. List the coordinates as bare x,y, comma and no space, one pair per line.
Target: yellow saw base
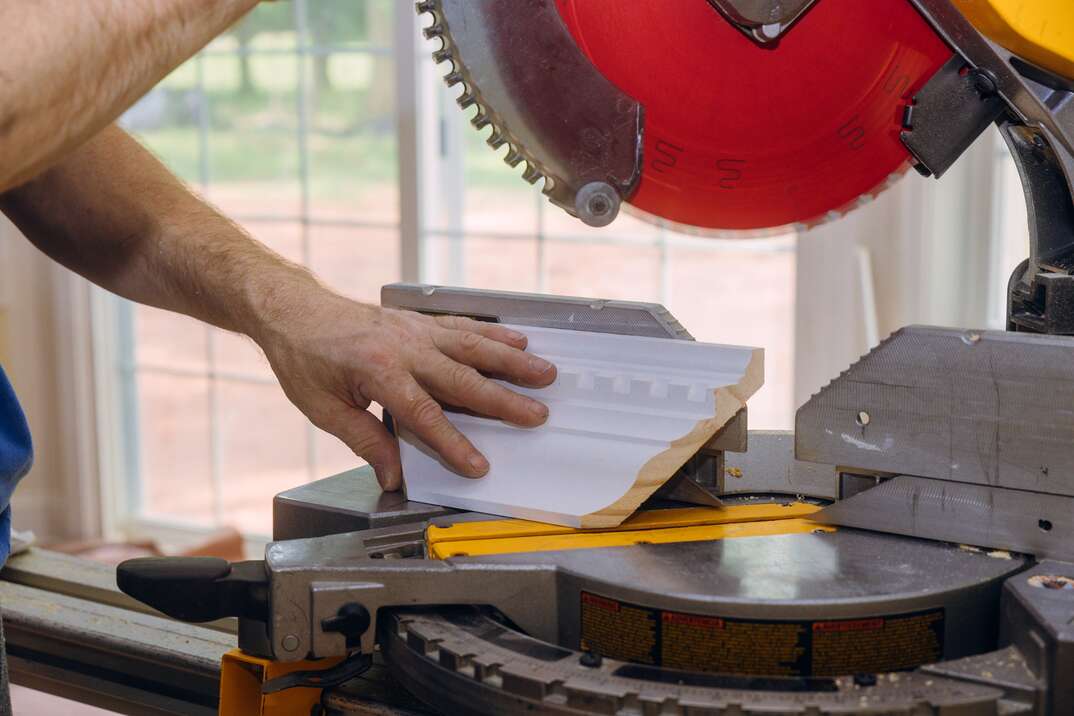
691,524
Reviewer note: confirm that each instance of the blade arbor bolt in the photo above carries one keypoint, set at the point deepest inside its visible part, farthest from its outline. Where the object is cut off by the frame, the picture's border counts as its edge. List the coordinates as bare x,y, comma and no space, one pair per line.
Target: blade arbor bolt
597,203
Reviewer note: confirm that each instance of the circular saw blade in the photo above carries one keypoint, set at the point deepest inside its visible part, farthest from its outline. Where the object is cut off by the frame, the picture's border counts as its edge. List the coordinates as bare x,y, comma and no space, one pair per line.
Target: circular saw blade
740,136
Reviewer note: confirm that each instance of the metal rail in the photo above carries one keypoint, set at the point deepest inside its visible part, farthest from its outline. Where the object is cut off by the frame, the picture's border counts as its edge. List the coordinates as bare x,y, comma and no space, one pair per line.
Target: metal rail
111,657
72,633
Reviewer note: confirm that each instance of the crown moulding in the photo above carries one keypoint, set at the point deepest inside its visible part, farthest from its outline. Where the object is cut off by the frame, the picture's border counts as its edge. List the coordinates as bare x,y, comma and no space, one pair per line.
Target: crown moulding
625,413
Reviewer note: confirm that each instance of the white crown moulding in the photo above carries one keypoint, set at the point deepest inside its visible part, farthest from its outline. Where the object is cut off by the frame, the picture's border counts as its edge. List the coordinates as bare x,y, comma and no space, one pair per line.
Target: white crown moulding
625,413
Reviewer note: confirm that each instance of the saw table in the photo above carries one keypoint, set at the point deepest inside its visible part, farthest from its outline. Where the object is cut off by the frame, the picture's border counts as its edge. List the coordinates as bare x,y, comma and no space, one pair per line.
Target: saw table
909,549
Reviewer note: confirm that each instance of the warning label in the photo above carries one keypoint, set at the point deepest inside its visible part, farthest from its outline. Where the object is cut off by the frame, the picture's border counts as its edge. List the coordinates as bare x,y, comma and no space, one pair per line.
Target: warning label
622,629
727,645
888,644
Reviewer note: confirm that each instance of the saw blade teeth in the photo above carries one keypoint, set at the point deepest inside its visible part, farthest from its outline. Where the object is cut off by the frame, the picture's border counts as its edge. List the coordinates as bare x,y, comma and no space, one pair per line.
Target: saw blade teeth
513,157
531,174
471,96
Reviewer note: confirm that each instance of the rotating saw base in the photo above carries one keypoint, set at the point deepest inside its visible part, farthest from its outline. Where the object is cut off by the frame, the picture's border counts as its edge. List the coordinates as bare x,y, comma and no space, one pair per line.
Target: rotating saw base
796,605
794,623
815,598
469,660
463,661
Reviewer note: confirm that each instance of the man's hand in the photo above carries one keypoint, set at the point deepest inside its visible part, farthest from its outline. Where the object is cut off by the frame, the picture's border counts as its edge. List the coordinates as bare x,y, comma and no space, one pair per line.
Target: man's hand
334,357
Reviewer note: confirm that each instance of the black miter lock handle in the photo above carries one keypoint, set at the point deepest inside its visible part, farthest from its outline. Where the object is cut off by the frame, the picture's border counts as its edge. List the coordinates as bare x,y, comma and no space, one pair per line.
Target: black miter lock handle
197,589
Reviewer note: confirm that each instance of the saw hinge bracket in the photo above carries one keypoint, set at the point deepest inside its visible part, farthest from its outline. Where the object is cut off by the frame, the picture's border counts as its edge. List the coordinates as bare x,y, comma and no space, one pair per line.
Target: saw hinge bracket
948,114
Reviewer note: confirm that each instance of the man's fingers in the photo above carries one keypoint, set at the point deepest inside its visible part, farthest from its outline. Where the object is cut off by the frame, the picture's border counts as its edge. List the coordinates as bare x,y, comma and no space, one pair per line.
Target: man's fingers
490,356
415,410
371,441
498,333
462,386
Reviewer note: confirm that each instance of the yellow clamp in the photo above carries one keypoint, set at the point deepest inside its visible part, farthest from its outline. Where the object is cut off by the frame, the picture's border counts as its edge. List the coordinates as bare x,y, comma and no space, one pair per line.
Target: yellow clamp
241,679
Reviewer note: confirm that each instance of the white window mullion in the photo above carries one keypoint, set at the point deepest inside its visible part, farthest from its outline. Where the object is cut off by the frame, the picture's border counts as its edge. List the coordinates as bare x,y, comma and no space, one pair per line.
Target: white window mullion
445,194
409,109
115,409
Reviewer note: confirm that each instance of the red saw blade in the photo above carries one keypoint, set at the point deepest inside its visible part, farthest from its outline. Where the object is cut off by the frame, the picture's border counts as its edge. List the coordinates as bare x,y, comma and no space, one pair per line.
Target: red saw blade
740,136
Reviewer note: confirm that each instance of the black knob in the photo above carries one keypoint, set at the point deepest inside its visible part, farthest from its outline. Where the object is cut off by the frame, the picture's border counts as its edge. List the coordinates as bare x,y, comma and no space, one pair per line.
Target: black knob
197,589
351,621
590,659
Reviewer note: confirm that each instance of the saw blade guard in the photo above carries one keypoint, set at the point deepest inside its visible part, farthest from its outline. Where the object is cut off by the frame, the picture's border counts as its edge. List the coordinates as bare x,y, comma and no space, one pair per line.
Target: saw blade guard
735,135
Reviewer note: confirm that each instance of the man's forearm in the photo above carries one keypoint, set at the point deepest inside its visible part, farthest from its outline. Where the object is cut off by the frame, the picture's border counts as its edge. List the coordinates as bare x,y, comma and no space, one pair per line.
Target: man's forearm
114,214
70,68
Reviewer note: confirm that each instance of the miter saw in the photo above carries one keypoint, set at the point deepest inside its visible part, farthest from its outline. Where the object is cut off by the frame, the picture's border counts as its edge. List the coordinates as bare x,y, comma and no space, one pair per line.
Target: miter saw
909,549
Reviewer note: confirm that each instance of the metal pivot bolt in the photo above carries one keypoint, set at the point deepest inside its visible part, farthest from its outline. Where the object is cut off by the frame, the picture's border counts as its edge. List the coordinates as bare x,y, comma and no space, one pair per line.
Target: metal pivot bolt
351,621
597,203
984,82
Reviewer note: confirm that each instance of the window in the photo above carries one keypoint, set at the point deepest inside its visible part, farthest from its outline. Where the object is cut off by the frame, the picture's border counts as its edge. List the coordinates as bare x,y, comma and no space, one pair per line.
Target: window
287,124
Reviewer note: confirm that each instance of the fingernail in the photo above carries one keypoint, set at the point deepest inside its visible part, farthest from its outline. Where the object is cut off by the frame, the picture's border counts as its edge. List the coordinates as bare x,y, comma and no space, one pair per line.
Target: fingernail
388,479
516,336
539,365
539,409
479,464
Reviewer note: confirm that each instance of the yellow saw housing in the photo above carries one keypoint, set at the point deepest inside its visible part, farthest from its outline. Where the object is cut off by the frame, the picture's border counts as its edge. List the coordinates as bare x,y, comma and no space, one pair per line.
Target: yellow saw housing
1040,31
